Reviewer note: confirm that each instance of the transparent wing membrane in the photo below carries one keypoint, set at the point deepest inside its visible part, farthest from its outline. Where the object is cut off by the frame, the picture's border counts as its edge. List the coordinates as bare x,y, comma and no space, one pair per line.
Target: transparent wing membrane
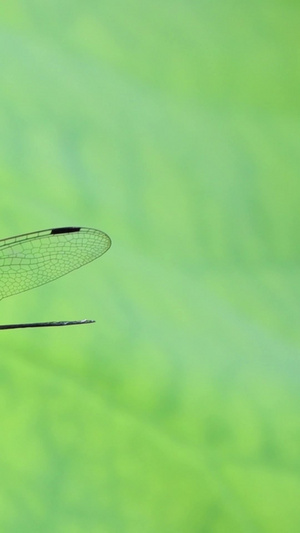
33,259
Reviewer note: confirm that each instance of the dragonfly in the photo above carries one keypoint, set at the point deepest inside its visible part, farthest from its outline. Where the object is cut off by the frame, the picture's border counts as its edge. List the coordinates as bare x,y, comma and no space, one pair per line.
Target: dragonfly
33,259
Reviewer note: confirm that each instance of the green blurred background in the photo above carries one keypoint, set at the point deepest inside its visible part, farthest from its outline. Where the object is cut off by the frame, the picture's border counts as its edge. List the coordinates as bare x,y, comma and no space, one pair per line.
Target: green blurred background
174,127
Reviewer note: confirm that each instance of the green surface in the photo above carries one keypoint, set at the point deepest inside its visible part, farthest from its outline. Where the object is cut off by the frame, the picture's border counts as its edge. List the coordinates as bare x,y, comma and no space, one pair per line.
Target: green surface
172,126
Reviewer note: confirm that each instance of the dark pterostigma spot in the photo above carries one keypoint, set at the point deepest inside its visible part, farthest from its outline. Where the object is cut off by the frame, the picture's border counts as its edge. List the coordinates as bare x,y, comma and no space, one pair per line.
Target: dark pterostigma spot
55,231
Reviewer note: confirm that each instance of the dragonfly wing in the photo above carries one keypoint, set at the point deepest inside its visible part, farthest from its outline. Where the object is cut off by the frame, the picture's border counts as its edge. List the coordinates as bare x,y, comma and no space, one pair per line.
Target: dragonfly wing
33,259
